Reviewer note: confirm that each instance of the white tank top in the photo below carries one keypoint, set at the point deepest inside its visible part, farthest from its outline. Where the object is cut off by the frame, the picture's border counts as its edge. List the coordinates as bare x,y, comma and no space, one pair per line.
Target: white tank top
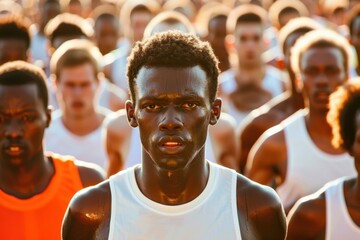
339,224
89,148
308,168
211,216
135,151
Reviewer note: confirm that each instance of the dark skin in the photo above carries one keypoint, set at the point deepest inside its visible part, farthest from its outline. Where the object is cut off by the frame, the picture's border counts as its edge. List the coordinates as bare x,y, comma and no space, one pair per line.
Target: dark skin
106,33
174,170
273,112
307,220
322,71
24,169
355,39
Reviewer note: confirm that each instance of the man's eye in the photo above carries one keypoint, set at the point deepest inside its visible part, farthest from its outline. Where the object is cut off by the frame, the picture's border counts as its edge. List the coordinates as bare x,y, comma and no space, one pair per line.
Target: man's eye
28,118
189,105
152,107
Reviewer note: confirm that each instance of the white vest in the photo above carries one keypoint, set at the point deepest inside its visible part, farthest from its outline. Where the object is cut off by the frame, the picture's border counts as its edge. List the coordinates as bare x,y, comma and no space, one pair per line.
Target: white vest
88,148
134,154
308,168
339,224
211,216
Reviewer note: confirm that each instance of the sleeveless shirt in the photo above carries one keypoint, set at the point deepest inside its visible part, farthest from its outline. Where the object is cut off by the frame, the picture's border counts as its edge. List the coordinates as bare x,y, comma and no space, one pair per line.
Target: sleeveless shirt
212,215
40,217
88,148
308,167
339,224
134,153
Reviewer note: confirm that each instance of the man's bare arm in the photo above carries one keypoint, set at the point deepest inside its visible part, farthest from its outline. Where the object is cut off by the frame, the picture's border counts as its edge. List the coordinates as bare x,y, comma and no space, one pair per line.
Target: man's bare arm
268,158
88,214
307,219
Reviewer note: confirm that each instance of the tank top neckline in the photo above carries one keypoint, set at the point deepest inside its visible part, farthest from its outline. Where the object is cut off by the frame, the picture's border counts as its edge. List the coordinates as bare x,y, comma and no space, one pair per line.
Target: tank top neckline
38,200
173,209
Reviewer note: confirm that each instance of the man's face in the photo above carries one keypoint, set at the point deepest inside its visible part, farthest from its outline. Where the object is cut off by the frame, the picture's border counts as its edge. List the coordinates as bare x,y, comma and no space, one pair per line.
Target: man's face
138,22
76,89
216,36
23,119
249,43
173,111
106,34
12,49
321,71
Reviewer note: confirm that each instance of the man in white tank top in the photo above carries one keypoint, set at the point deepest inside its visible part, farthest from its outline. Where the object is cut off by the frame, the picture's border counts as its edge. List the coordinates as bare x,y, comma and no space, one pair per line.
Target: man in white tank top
174,193
77,125
251,83
334,211
297,157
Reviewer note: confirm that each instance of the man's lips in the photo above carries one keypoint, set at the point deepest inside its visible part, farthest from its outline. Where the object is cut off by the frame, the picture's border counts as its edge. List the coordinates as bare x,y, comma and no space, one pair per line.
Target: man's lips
14,149
171,145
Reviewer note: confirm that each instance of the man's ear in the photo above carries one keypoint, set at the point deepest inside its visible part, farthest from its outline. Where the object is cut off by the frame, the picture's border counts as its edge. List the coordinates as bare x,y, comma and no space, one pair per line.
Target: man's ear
130,112
215,111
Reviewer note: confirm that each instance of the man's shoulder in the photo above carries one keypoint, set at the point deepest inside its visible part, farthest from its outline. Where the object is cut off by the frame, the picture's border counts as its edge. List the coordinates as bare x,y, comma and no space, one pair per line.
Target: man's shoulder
265,216
117,121
92,200
90,173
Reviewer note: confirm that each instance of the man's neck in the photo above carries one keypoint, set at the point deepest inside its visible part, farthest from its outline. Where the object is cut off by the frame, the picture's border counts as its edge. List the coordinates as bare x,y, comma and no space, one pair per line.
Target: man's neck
172,187
82,125
320,131
29,179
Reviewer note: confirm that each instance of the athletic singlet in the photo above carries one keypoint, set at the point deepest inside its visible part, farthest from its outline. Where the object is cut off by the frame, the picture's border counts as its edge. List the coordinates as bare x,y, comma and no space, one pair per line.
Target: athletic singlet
134,153
89,148
308,168
212,215
339,224
40,216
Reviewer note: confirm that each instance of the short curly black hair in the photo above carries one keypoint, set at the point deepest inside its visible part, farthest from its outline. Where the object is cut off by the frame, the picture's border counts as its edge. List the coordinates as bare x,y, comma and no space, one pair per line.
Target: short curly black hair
173,49
20,73
344,106
15,27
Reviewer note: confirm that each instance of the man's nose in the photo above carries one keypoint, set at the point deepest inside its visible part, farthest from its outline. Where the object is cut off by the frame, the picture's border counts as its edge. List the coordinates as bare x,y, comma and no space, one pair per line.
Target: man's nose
14,129
171,120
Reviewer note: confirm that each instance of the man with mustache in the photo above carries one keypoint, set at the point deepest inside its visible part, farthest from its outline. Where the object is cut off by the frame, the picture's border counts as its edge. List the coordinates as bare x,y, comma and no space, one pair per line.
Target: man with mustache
296,157
174,193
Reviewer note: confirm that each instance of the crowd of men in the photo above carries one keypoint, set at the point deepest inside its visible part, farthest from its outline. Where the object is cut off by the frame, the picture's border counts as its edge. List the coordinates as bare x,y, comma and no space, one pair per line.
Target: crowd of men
179,119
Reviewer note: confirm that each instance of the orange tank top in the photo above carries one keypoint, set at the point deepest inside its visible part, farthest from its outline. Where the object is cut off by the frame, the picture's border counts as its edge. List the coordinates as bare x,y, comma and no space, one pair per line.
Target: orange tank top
40,217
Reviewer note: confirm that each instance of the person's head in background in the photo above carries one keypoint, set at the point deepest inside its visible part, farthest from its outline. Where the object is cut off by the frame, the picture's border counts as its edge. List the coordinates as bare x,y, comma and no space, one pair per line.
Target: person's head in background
48,9
10,7
354,30
334,11
135,16
282,11
246,24
106,28
76,69
344,117
320,61
168,20
73,6
14,38
65,27
288,35
185,7
213,21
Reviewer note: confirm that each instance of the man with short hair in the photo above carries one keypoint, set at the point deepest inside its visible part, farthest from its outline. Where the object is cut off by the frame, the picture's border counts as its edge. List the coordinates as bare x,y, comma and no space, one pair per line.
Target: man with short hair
78,123
296,157
175,193
334,211
35,188
251,83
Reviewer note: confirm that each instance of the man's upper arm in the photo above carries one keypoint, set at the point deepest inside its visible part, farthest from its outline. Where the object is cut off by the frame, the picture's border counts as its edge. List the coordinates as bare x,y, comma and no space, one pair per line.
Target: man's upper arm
267,157
88,214
307,219
263,212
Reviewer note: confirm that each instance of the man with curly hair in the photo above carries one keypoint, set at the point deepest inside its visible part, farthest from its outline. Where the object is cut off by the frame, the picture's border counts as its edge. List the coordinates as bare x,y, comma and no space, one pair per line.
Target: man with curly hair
334,211
174,193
